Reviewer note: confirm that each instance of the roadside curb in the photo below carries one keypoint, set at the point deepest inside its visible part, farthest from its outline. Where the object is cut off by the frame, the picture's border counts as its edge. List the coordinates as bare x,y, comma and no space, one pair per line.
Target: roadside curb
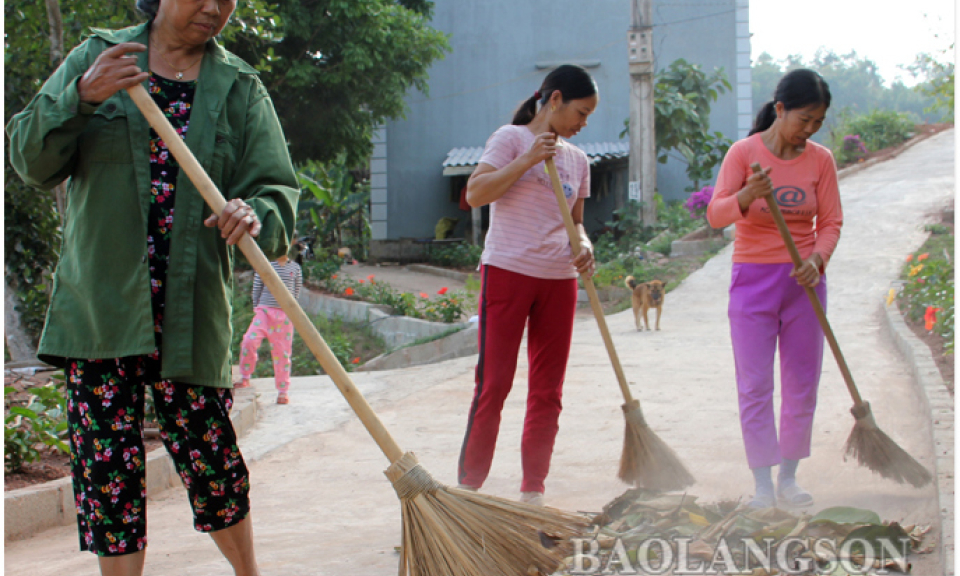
940,406
456,345
30,510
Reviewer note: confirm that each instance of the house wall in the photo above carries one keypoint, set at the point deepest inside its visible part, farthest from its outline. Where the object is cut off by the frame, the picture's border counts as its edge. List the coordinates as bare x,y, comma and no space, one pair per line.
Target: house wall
493,66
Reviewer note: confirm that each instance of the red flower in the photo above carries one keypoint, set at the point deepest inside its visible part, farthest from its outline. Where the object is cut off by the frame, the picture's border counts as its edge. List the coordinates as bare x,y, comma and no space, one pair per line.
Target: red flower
923,257
361,281
909,257
930,317
334,277
370,277
424,295
348,291
442,291
356,360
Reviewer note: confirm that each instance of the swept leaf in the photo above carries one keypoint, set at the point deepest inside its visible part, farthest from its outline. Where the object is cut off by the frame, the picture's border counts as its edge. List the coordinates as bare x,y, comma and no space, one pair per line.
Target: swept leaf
847,515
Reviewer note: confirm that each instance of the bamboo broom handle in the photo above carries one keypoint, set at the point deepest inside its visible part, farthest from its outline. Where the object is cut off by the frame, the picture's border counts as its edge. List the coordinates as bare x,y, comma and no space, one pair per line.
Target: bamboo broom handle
814,300
250,249
587,280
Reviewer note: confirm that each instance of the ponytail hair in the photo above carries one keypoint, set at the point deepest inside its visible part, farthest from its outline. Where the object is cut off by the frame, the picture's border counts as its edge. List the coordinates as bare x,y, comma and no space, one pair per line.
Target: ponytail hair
797,89
148,8
573,82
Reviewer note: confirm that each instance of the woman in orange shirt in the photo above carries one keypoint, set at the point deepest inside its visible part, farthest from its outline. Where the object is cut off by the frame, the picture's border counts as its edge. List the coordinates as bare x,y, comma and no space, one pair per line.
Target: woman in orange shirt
768,305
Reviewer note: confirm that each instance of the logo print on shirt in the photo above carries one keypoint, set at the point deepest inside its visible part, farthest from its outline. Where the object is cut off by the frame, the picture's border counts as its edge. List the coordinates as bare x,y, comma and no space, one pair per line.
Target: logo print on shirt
789,196
567,190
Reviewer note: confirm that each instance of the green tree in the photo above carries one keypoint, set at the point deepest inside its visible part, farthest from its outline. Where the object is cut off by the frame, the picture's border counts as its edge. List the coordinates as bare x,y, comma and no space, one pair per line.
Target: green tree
343,67
683,94
938,83
855,85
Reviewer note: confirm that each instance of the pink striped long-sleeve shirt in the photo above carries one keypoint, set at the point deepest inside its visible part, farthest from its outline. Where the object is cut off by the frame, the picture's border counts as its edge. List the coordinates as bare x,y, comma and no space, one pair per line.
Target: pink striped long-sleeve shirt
527,234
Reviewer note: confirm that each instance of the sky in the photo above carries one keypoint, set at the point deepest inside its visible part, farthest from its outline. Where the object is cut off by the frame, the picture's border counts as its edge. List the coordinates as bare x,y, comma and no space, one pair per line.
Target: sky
888,33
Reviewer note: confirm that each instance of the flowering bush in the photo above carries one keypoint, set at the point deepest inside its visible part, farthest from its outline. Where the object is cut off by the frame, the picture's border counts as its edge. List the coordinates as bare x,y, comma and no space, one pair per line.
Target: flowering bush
446,307
853,149
697,203
927,295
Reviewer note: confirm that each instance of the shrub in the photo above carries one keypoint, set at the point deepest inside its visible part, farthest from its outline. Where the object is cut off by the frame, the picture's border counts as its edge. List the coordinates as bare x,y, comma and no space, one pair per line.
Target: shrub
877,130
462,255
42,422
324,265
698,201
852,150
927,295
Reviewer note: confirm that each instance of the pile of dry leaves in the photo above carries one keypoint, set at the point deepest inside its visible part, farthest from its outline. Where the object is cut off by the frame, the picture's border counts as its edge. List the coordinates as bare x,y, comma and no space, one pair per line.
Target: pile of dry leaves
644,532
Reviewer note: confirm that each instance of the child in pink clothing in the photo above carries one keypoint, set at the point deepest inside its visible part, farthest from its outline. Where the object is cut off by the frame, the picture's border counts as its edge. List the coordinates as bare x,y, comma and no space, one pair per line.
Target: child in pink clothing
270,322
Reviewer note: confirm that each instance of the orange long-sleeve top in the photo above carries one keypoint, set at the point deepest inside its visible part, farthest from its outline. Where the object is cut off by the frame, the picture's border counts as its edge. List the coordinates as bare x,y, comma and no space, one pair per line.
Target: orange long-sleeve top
806,190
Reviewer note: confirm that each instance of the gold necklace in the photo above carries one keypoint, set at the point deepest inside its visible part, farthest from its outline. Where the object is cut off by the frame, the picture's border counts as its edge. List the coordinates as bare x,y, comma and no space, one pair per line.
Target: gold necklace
179,74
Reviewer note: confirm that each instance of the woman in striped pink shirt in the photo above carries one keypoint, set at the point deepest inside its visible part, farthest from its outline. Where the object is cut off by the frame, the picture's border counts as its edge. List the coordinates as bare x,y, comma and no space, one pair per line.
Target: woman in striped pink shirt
529,272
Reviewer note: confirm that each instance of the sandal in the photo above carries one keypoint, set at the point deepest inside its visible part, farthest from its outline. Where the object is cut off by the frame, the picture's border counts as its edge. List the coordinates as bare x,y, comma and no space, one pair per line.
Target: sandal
794,496
282,399
242,384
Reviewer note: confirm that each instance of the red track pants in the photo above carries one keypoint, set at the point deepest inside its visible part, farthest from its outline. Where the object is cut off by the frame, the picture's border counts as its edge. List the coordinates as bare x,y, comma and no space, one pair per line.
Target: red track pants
508,301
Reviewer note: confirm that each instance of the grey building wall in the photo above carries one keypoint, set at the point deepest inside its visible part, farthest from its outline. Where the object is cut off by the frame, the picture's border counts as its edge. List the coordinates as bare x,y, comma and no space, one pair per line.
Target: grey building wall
501,50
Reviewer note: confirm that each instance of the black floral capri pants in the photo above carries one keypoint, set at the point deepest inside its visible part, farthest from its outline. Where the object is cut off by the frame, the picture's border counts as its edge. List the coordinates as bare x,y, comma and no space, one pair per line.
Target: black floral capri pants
105,415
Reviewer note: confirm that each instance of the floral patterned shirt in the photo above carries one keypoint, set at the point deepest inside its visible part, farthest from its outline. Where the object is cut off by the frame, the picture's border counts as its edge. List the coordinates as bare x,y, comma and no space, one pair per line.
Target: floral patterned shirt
175,99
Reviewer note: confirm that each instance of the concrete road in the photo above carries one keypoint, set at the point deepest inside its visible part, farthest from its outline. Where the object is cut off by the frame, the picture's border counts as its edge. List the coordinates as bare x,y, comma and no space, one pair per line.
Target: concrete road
321,505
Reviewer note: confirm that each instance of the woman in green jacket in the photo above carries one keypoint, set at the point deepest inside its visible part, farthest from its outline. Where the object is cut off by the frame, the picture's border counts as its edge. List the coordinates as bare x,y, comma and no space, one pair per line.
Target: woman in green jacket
140,297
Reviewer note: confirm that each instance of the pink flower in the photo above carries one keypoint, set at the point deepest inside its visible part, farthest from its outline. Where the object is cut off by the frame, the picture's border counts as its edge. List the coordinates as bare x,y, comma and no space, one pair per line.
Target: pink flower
424,295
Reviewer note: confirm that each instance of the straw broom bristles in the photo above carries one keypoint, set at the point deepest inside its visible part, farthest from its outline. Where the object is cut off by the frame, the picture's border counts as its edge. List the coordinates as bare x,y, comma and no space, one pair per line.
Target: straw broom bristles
646,460
453,532
877,451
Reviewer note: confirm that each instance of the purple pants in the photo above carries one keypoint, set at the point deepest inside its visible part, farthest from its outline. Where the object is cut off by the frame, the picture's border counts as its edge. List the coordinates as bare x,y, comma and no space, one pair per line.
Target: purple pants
768,308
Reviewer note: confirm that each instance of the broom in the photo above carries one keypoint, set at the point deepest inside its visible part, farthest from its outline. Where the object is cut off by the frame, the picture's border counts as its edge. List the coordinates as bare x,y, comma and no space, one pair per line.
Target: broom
646,461
867,442
445,531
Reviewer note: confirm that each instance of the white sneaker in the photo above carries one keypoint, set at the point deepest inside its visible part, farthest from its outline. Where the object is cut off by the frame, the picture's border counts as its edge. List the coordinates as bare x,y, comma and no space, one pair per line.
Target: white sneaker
533,498
467,488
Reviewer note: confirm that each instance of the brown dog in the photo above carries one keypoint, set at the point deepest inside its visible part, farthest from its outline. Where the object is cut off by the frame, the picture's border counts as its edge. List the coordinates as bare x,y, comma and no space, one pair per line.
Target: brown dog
645,296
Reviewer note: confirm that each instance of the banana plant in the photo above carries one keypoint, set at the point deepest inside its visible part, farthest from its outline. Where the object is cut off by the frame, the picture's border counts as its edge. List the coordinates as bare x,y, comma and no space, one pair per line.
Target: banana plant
337,205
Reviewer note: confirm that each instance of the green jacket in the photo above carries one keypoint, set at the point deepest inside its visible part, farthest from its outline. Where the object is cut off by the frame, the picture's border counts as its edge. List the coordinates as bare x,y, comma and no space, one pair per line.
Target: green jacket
100,305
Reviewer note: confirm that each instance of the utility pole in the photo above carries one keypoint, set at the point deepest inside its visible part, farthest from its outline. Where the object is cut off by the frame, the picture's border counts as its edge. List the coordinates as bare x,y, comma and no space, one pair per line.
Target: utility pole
643,148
